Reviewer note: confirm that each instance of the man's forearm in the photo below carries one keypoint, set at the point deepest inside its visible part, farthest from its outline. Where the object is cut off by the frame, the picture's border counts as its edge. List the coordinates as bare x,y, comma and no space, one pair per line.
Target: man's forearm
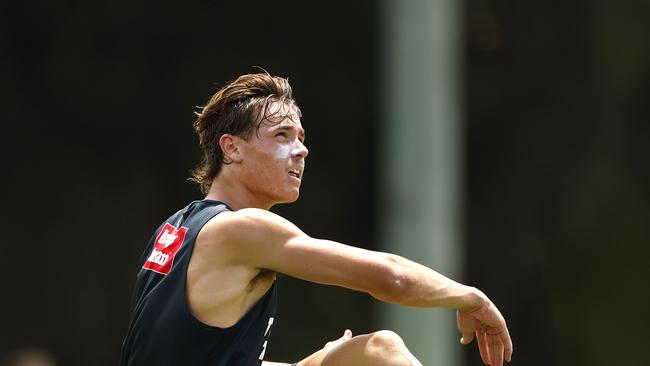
424,287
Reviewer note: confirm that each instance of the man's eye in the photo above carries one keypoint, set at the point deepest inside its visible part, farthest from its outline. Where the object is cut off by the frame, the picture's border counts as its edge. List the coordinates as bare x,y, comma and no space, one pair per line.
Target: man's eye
283,134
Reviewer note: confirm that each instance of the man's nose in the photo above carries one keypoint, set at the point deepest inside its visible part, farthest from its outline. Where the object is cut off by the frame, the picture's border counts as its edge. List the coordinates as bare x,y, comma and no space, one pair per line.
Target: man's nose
300,150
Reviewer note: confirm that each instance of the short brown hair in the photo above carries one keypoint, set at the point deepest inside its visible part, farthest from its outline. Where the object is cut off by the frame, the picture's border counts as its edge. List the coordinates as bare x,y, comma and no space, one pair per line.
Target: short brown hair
237,109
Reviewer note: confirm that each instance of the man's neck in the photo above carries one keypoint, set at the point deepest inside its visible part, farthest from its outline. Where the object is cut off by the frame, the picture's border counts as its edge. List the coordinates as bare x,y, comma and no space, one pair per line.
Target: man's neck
235,195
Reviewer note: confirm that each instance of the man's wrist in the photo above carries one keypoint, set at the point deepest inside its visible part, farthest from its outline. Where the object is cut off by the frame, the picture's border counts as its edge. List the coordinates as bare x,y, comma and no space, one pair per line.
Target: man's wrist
472,300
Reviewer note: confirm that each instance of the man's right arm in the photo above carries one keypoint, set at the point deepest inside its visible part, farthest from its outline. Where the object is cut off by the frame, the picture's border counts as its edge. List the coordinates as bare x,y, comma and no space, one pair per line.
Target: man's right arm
261,239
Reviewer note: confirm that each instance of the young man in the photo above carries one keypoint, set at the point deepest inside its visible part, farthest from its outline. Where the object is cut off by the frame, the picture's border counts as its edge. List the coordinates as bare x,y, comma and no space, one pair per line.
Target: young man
205,293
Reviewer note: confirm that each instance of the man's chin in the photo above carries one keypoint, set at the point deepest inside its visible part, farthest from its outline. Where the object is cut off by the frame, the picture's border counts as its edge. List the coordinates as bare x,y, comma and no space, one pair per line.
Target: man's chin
294,198
290,198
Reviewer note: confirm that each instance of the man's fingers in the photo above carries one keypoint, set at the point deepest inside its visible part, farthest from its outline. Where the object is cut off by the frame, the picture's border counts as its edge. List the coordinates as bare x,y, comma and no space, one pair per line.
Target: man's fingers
467,338
347,334
481,339
496,349
508,346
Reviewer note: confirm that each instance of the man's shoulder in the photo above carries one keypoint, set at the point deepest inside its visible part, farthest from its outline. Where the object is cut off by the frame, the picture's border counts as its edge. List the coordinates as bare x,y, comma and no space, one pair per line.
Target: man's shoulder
237,223
230,229
230,223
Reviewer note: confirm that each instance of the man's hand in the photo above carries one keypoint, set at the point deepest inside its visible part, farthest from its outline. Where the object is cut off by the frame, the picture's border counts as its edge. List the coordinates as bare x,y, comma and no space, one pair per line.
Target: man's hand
488,326
317,358
346,336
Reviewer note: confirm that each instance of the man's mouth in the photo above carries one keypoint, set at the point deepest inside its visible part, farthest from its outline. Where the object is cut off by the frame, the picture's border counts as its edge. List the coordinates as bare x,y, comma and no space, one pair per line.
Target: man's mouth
295,173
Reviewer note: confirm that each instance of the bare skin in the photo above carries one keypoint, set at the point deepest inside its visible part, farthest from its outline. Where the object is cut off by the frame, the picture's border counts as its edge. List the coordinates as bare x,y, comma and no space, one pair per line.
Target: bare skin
237,254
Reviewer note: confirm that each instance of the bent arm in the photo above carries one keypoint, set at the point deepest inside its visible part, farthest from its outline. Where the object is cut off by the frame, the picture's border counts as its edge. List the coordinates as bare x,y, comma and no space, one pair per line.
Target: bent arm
261,239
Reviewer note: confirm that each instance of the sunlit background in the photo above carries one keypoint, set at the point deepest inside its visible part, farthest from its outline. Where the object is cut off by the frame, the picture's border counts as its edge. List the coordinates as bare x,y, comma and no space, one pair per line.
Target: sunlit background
505,143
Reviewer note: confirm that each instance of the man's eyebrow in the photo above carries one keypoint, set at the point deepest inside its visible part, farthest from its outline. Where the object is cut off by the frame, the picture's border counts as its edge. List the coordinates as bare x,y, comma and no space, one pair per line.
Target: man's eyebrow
286,126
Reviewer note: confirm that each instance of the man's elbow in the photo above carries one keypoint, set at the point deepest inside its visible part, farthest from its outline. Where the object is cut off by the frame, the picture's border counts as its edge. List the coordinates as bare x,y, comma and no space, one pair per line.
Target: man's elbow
397,284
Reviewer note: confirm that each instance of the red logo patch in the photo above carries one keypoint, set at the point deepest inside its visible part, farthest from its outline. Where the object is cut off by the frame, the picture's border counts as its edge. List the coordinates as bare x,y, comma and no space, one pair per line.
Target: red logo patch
165,248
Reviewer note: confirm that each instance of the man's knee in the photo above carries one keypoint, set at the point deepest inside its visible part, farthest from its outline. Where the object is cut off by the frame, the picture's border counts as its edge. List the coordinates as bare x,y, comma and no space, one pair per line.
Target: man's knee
382,348
386,339
388,348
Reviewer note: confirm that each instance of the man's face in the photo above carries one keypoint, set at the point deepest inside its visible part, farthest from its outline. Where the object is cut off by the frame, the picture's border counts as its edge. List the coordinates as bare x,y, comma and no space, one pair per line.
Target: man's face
274,159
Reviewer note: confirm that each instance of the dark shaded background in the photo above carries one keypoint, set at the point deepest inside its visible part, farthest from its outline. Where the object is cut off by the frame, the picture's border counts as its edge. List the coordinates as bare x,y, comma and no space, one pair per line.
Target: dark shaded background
97,102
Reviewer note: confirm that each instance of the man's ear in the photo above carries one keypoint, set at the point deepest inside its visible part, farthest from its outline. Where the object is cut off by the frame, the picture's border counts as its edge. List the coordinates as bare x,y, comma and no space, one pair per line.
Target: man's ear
230,146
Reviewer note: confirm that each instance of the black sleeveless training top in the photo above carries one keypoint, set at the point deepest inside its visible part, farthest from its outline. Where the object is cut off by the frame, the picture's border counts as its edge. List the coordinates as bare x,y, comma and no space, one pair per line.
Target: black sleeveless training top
163,332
